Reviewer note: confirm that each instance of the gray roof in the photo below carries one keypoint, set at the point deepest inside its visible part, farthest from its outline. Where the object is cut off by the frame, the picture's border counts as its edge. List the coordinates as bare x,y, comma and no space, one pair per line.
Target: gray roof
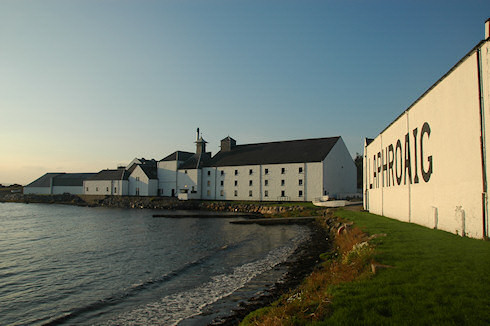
292,151
182,156
196,161
150,171
45,180
71,179
119,174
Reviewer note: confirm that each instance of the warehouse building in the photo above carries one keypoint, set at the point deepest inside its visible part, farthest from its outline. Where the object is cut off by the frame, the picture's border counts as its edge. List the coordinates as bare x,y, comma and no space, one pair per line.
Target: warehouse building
430,166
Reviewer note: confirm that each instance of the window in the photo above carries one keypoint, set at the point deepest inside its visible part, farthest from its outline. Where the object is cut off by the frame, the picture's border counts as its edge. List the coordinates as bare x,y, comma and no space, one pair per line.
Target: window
250,183
283,182
266,182
266,171
222,193
222,172
137,178
96,188
300,182
209,172
115,190
222,183
283,193
209,183
236,183
300,170
185,171
266,193
300,194
209,192
87,188
250,171
283,170
236,172
250,193
137,191
236,193
107,189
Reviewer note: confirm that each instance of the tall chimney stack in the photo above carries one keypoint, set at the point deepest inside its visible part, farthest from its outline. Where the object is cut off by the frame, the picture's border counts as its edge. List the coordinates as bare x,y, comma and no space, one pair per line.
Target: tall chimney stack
487,28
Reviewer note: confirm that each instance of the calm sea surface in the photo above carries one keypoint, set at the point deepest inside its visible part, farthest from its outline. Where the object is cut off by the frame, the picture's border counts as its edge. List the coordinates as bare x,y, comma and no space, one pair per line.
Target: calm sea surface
67,265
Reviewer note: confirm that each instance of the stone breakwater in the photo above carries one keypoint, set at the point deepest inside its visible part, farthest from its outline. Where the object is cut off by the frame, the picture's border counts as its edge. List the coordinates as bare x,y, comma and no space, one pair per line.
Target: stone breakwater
159,203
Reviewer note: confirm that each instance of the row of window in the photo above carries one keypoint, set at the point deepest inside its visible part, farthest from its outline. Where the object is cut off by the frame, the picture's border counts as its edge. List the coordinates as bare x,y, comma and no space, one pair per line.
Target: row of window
250,193
250,183
251,171
106,189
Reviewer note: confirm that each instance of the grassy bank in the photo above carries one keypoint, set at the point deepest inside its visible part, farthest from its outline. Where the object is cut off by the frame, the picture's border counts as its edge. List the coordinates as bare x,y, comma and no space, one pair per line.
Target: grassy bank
437,278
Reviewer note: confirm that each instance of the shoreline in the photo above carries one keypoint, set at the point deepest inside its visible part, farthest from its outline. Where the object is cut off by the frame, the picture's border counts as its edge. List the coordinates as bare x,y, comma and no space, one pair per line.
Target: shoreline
298,266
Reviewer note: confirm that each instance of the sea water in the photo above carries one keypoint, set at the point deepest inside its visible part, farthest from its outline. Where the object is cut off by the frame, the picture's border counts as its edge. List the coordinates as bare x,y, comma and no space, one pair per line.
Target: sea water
68,265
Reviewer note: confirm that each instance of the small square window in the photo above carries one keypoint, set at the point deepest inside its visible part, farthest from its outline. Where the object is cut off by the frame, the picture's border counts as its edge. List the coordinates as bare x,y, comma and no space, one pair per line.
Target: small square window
107,189
87,188
209,183
115,190
236,193
283,170
222,172
250,182
283,182
222,193
266,171
300,182
266,182
209,172
266,193
185,171
96,188
300,170
300,194
137,178
236,183
250,171
222,183
250,193
209,192
236,172
283,193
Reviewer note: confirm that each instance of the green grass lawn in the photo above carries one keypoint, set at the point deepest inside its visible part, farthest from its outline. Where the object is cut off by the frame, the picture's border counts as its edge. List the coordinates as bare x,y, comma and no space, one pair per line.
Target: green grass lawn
438,278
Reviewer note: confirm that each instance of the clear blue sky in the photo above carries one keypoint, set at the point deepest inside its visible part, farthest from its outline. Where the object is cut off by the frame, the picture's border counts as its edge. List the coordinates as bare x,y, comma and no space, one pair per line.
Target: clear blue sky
87,85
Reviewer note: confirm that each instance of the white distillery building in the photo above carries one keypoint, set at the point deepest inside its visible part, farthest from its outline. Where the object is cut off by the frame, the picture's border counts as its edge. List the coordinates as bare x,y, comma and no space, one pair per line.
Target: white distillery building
58,183
430,166
297,170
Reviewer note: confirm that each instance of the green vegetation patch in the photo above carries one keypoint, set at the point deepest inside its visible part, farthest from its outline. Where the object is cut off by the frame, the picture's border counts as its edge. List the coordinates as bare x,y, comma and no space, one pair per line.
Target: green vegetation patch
437,278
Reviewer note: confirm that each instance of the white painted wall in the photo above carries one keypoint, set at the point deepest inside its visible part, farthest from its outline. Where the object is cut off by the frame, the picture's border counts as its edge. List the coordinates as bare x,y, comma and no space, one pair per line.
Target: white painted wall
449,198
189,180
339,172
141,185
74,190
167,177
105,187
37,190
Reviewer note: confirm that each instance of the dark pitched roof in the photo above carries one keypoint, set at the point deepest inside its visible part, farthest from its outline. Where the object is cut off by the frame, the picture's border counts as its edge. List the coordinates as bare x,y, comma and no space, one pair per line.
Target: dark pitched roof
45,180
150,171
183,156
369,141
119,174
196,161
293,151
71,179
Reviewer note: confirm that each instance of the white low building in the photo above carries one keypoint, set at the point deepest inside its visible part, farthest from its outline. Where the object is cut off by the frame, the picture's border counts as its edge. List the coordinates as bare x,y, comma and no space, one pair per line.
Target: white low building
58,183
430,165
108,182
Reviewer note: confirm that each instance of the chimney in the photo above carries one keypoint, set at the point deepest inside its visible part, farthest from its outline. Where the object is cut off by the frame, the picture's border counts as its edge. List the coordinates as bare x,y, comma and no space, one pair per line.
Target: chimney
227,144
487,29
